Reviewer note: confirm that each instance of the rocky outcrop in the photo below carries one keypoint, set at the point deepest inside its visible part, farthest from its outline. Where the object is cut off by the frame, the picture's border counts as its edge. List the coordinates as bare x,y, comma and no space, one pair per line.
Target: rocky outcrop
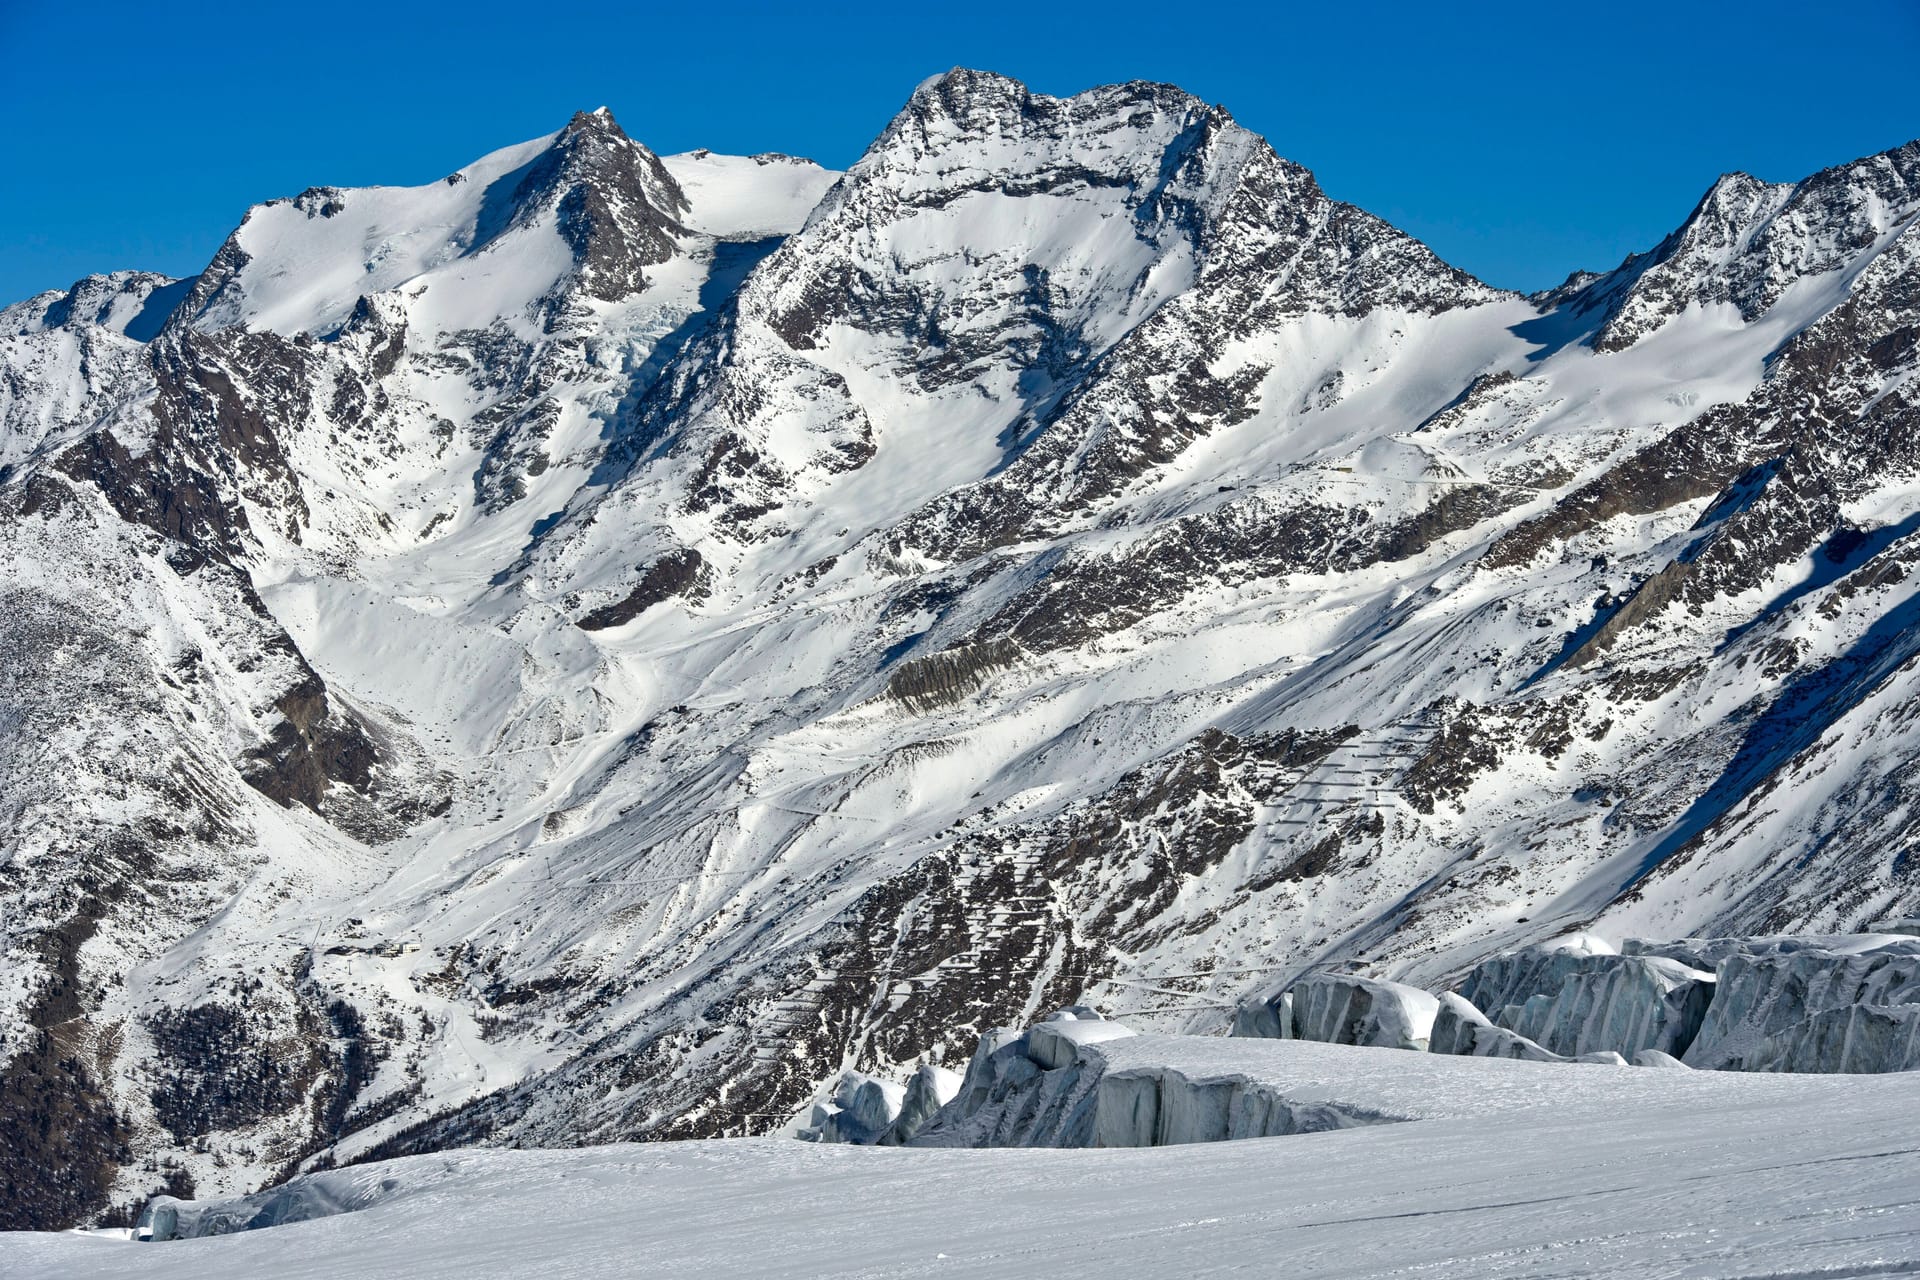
681,573
62,1136
940,678
311,749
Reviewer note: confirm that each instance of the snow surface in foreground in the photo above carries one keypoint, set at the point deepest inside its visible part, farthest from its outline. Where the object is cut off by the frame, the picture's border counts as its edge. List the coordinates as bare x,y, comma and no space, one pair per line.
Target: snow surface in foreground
1570,1170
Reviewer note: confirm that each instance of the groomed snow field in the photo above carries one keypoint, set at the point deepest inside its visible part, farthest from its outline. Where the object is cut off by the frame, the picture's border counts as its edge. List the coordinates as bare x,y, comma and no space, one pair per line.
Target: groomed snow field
1475,1168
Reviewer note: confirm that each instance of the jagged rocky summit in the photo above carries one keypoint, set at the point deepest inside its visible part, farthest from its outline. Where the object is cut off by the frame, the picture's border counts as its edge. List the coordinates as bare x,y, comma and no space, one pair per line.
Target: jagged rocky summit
597,644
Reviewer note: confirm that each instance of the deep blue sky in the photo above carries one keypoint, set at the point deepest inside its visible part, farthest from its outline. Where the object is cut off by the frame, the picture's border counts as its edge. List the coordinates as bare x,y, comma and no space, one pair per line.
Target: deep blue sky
1521,142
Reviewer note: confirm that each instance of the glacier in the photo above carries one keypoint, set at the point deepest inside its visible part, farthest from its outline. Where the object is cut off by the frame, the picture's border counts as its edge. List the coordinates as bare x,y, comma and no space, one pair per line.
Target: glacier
1791,1003
1608,1172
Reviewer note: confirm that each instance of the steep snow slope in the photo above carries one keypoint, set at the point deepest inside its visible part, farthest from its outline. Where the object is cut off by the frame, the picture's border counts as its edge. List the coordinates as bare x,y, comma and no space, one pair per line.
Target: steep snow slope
693,625
147,679
69,360
1606,1172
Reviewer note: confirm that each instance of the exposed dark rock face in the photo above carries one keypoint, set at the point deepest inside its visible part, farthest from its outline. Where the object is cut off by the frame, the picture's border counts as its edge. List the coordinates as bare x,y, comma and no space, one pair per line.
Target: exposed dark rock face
939,678
62,1137
680,573
224,1067
615,200
311,749
215,454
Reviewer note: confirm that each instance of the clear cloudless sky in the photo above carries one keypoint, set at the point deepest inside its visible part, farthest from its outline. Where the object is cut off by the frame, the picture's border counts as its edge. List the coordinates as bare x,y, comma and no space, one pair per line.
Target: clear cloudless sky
1520,140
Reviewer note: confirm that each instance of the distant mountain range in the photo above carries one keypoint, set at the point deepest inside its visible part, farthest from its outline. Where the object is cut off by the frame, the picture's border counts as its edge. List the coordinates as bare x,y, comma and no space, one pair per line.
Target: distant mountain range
597,644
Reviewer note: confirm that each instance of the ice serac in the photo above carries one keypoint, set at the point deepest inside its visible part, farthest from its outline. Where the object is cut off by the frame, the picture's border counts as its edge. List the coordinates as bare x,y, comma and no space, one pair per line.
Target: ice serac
1836,1005
1491,1041
1150,1091
1577,999
1462,1030
1617,1004
993,1056
862,1110
1164,1107
1511,977
1456,1024
1057,1086
1342,1009
1270,1017
1008,1099
1057,1043
929,1088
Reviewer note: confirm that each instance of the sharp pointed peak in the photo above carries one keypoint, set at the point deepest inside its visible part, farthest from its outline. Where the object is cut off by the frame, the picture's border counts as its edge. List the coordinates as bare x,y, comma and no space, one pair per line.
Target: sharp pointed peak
966,85
598,122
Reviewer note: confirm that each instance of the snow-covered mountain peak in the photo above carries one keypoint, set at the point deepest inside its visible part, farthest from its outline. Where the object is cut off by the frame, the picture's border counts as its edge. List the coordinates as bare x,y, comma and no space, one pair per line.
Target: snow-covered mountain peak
988,246
973,130
1749,242
587,210
134,304
69,358
613,200
974,101
939,326
436,350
